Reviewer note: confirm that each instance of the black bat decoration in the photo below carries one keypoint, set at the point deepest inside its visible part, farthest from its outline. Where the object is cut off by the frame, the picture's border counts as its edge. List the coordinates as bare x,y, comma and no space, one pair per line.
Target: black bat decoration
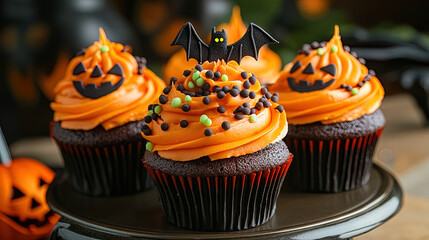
249,45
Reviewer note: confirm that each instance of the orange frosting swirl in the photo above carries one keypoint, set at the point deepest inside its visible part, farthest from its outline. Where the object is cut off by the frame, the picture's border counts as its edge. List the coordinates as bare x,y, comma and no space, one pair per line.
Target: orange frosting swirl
354,91
183,142
267,67
128,103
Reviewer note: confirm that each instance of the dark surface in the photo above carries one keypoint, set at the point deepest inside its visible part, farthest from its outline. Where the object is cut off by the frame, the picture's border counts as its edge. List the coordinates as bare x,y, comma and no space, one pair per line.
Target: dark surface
357,128
98,137
298,215
266,158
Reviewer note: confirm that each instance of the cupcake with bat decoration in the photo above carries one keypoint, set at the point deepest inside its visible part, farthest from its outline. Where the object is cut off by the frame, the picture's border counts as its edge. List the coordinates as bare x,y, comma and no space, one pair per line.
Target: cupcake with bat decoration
332,101
98,113
215,146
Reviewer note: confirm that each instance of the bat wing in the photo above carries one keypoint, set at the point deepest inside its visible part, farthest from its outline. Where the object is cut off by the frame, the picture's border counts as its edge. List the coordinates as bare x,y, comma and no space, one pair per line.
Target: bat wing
192,43
250,43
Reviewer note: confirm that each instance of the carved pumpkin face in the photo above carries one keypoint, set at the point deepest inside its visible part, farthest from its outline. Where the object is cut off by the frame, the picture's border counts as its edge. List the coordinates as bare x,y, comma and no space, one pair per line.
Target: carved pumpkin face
23,206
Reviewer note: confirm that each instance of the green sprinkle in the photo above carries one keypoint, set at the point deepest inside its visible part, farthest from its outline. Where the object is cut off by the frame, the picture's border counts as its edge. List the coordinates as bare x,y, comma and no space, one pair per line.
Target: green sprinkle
149,146
355,91
196,75
191,85
207,122
200,82
252,118
176,102
158,109
104,49
224,78
203,118
188,98
150,113
320,51
334,49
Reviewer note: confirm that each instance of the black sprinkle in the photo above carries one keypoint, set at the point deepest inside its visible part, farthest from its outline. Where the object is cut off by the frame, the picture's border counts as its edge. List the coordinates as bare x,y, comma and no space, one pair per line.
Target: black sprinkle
343,85
199,67
163,99
146,130
96,72
244,93
216,89
180,87
209,74
206,93
362,61
262,99
155,116
252,79
225,89
268,95
306,52
274,99
276,94
252,95
226,126
349,88
246,111
238,109
206,100
221,94
221,109
315,45
366,78
354,54
200,91
206,86
151,106
264,90
266,103
346,48
164,126
280,108
166,90
186,73
139,71
322,44
234,92
252,111
259,105
186,107
173,80
238,116
246,84
295,66
306,46
208,132
309,69
360,84
244,75
80,68
147,119
246,105
217,74
372,72
183,123
236,87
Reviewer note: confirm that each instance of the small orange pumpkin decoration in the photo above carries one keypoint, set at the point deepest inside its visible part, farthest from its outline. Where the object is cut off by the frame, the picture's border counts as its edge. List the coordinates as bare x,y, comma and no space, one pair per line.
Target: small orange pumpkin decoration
24,212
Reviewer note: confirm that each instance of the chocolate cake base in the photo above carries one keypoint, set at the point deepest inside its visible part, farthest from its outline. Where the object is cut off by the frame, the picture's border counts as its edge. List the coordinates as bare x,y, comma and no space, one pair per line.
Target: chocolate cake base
224,195
333,157
104,163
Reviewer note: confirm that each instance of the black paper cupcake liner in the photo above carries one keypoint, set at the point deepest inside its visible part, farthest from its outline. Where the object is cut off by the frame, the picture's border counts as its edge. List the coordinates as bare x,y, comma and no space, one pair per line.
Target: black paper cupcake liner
108,170
331,165
220,203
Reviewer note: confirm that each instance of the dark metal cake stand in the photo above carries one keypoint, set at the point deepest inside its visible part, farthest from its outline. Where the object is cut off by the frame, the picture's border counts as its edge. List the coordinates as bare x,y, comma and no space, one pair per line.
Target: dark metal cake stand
298,215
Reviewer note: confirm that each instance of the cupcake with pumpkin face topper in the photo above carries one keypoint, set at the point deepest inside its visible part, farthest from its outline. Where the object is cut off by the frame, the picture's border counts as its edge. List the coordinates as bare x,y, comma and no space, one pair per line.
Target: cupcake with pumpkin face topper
98,115
332,101
267,67
215,146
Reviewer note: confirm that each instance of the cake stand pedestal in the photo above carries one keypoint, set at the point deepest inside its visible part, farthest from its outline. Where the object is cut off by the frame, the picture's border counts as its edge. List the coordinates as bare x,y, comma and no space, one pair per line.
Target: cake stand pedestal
298,215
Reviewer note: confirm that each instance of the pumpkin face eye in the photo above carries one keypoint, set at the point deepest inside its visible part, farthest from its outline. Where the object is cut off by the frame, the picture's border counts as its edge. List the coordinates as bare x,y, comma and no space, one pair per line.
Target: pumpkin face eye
331,69
16,193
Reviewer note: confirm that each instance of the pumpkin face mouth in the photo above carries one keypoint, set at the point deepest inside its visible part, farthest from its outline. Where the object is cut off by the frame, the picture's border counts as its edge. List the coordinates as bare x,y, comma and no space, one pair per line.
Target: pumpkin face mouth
306,86
91,90
32,221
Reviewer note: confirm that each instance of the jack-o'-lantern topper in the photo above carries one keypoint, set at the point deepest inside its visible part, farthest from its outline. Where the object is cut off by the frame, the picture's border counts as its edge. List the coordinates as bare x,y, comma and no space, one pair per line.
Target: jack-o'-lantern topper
103,67
248,45
327,65
24,213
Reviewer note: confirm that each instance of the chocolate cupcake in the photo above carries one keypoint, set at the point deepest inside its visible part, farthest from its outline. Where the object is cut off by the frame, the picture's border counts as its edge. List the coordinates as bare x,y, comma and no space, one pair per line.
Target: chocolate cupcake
99,111
215,149
332,101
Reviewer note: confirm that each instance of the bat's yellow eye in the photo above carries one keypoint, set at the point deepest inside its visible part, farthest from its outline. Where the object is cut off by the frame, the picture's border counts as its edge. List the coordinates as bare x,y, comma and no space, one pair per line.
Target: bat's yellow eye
216,39
221,39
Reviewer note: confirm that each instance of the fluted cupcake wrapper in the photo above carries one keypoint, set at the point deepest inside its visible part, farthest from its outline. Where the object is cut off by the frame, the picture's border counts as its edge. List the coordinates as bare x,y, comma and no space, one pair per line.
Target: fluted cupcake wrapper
220,203
332,165
108,170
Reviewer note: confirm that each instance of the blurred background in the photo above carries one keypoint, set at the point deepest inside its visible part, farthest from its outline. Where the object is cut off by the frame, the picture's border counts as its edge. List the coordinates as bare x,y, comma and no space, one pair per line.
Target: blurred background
39,37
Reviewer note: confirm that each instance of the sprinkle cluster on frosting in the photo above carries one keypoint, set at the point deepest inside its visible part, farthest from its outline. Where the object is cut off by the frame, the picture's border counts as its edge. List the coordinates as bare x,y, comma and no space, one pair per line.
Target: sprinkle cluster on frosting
215,109
328,83
104,85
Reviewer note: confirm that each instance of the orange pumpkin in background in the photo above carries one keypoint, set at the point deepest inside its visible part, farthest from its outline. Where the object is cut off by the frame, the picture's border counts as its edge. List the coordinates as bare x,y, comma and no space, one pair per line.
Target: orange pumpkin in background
24,212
